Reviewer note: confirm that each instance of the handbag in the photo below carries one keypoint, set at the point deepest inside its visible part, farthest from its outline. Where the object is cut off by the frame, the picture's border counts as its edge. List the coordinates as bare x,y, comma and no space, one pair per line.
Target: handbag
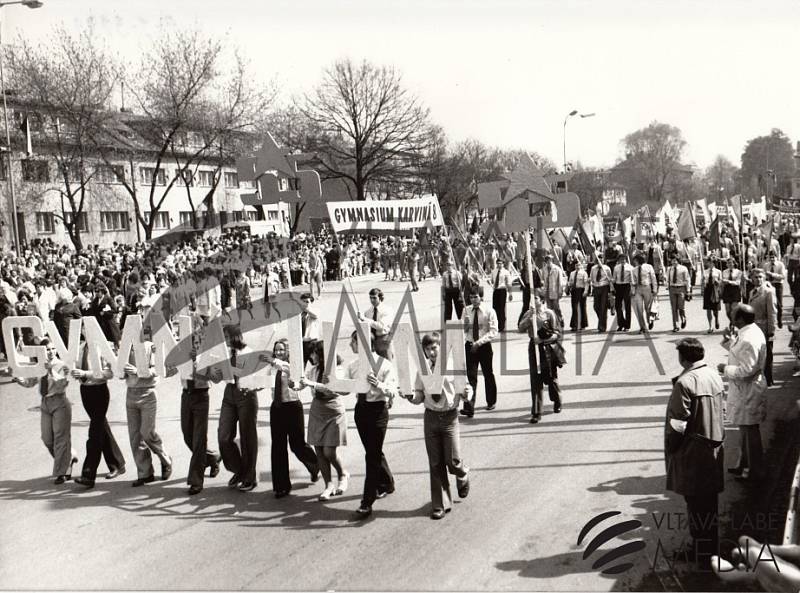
559,354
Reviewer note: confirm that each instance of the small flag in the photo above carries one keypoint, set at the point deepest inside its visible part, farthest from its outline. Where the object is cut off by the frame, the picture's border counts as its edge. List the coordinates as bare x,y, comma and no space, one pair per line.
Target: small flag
766,230
714,239
685,226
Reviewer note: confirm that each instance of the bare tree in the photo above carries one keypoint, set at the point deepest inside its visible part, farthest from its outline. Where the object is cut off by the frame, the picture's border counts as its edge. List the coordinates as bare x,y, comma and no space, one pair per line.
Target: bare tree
195,106
371,128
67,83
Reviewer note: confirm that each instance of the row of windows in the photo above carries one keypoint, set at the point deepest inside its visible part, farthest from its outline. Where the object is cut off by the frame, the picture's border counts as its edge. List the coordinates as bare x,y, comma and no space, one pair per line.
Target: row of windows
120,221
38,171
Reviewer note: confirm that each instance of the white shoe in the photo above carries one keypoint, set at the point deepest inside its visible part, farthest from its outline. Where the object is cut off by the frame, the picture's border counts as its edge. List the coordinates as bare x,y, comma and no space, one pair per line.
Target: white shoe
327,493
343,484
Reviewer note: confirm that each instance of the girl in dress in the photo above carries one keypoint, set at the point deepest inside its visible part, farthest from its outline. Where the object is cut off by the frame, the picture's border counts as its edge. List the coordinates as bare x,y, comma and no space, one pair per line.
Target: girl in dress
327,423
731,288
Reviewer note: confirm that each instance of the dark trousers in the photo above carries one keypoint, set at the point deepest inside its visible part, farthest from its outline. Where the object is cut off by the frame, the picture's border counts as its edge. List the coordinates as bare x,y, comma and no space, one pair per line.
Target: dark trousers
239,406
579,318
537,385
482,357
101,441
194,425
286,422
622,304
704,524
779,301
751,454
601,306
526,302
499,298
372,419
768,363
452,298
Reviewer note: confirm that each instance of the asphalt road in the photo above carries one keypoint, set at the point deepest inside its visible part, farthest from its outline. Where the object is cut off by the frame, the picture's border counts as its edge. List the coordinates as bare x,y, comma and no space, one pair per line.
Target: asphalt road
533,487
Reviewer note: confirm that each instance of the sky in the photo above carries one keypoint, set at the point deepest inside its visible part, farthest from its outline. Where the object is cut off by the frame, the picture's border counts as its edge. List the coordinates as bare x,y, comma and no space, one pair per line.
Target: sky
508,72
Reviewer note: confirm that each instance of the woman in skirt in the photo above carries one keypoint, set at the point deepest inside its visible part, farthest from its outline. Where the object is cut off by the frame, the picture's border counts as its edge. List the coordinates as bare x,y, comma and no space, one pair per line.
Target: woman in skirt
712,282
731,293
327,423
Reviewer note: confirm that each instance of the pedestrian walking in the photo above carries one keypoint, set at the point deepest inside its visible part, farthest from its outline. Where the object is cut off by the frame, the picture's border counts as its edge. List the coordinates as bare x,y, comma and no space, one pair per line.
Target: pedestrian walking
544,334
480,329
679,285
712,284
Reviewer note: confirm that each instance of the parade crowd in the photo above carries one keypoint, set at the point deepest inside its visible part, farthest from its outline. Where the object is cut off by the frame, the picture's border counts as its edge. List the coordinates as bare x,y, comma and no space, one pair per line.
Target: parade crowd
745,273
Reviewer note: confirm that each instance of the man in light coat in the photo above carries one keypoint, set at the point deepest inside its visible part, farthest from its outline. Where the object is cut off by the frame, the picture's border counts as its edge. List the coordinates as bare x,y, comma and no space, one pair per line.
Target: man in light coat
747,404
762,300
553,286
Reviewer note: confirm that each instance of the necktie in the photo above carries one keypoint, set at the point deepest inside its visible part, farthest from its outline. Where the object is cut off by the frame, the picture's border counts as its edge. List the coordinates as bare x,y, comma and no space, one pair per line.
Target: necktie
278,395
547,282
436,396
475,333
497,279
375,314
44,384
233,364
304,322
449,280
675,275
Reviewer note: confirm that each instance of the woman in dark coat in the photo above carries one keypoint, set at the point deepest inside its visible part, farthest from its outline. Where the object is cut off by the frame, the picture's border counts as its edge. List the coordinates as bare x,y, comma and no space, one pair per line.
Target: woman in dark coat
104,309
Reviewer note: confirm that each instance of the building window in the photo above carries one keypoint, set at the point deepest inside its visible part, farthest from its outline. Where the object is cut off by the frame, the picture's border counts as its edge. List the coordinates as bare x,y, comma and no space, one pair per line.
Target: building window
186,218
45,223
272,215
109,174
114,221
247,184
82,223
35,170
3,165
231,179
205,178
149,172
162,220
238,215
184,177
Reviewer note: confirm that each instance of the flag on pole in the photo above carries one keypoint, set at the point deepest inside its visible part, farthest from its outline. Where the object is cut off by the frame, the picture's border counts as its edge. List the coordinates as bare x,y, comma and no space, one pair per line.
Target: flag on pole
714,239
25,127
732,213
583,239
766,230
685,226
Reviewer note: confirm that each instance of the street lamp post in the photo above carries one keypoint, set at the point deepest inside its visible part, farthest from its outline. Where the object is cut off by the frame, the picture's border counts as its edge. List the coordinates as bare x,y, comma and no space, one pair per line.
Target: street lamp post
564,136
30,4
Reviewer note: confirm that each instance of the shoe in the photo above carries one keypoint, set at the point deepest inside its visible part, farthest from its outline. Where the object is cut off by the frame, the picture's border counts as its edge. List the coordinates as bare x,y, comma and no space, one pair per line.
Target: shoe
711,331
344,482
117,471
234,481
195,490
683,323
363,512
462,486
143,481
467,414
61,479
247,486
557,408
214,472
490,408
281,493
437,514
314,476
327,493
535,419
675,330
166,470
716,323
84,482
651,324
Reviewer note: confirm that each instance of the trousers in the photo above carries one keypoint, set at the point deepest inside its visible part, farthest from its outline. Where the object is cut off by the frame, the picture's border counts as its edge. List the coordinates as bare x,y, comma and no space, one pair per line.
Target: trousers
56,428
101,441
622,305
372,420
482,357
499,298
141,411
642,302
579,318
677,301
286,423
194,426
452,298
239,406
600,303
442,444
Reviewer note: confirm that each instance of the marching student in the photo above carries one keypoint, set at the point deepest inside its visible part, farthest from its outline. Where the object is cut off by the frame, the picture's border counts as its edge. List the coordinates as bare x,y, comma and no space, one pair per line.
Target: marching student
731,293
645,285
776,275
543,332
442,441
679,283
56,412
451,291
552,286
501,288
600,289
712,284
480,329
622,290
762,300
380,322
578,288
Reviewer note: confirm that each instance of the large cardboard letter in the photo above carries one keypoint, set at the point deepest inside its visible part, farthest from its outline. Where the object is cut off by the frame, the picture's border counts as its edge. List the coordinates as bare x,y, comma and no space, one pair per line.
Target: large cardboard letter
68,355
98,346
24,371
452,347
131,340
359,384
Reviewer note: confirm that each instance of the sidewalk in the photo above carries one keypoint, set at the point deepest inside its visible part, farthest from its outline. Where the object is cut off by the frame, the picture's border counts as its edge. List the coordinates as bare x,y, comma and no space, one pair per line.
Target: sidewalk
758,509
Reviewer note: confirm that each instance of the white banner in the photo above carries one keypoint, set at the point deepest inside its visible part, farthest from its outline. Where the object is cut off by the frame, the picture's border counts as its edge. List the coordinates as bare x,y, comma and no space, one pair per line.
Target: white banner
385,215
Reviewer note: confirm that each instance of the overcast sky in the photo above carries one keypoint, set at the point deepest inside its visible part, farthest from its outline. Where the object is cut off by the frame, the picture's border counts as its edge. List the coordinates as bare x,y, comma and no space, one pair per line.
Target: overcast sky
508,72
